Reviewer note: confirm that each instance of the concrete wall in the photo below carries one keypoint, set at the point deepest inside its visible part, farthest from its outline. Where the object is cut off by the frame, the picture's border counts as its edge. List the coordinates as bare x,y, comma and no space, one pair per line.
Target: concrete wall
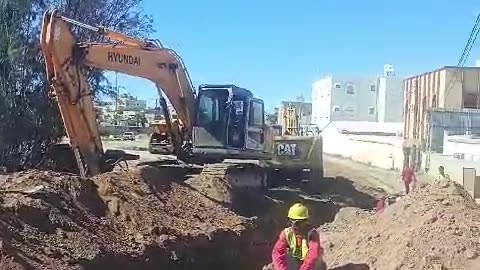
380,151
469,148
381,98
393,100
453,166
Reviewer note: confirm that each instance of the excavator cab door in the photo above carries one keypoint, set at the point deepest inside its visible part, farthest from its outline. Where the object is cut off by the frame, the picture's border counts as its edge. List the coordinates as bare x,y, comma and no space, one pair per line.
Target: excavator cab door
255,128
212,110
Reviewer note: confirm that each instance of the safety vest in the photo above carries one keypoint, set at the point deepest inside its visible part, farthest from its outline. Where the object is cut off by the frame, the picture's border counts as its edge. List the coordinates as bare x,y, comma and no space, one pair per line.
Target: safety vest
297,252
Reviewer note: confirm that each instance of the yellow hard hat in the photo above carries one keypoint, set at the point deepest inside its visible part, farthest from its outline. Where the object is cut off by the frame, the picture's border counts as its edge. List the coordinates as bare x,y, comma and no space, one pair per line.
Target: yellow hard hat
298,211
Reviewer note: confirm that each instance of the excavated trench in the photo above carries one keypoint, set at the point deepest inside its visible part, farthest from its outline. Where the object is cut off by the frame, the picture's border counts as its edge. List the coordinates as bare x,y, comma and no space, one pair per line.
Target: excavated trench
151,219
250,249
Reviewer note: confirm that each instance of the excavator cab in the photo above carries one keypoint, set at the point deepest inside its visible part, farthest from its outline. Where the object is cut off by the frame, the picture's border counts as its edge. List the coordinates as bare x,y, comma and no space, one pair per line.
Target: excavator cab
229,123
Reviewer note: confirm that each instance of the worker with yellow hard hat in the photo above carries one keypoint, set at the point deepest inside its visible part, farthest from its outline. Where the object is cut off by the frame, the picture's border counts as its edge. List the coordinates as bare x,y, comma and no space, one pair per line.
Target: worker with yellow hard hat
298,246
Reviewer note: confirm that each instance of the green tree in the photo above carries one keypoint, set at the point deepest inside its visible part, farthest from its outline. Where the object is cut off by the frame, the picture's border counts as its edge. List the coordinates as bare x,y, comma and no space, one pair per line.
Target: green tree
29,120
272,117
140,119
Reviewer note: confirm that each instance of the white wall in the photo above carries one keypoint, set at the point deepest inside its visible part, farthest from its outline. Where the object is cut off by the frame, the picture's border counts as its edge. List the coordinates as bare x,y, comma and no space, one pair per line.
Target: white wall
380,151
381,98
461,145
393,99
453,166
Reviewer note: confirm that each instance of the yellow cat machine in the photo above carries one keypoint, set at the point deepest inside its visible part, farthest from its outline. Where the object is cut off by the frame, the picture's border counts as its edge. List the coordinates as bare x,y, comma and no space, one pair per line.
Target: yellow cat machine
290,119
295,158
160,141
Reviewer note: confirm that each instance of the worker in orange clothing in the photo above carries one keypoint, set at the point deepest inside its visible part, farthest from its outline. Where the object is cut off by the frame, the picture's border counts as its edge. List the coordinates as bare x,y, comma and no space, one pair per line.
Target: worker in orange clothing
409,178
381,204
298,246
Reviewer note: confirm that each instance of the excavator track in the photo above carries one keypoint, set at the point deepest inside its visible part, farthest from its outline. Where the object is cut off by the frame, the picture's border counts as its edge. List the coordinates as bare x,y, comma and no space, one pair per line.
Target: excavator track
239,174
232,182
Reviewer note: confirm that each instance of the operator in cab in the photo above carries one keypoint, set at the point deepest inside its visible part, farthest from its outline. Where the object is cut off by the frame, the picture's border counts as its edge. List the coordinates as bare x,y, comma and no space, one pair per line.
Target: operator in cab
298,246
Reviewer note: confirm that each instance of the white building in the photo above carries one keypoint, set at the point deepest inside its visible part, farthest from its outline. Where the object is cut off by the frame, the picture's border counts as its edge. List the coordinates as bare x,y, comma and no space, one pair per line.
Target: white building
336,98
130,103
390,96
343,99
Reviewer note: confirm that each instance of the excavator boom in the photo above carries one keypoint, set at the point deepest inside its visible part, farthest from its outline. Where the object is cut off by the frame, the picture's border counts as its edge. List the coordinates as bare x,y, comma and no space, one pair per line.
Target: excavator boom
67,63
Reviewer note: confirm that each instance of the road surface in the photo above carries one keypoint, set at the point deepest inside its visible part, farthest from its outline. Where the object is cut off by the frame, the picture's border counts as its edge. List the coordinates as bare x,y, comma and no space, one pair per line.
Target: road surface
137,147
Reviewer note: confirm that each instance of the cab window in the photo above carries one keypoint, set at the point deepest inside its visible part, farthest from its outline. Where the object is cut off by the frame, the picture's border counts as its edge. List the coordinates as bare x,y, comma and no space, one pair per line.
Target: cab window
208,110
256,118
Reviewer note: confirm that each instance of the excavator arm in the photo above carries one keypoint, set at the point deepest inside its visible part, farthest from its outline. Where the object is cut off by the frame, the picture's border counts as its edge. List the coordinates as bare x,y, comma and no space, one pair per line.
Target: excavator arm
67,63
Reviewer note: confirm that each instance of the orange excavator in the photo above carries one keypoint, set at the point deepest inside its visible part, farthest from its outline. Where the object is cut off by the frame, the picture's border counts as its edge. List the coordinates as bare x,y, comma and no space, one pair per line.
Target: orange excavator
219,122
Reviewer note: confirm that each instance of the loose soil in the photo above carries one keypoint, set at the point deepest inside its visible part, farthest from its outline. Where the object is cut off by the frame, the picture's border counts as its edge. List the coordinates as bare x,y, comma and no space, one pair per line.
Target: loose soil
142,219
435,227
160,218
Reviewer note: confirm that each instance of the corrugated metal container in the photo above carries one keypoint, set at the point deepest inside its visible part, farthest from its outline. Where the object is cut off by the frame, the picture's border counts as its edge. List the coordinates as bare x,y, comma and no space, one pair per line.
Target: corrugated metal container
449,88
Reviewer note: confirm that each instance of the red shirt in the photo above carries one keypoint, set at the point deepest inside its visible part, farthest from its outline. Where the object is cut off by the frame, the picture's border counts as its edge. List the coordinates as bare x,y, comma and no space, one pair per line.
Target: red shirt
279,253
408,175
380,205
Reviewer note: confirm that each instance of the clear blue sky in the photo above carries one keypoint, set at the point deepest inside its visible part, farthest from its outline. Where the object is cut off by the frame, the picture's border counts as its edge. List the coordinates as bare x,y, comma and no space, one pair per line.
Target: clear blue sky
278,49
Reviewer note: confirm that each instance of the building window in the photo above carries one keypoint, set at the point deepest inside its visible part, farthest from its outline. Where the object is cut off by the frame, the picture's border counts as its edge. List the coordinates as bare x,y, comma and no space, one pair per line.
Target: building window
336,108
349,109
373,88
337,85
350,88
371,110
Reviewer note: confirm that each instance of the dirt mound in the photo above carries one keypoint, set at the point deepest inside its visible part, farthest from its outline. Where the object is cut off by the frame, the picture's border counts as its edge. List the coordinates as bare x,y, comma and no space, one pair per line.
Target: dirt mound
142,219
435,227
212,183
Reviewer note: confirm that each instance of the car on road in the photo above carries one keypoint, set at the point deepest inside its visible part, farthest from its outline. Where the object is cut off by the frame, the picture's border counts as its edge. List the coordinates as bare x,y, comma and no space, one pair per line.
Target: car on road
128,136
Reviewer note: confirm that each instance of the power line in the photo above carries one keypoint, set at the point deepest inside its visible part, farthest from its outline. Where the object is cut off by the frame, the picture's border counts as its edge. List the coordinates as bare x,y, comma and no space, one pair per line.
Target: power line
466,51
474,30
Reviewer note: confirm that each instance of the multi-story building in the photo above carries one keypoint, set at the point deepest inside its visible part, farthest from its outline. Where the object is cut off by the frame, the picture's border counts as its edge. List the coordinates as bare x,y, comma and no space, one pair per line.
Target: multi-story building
375,99
343,99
